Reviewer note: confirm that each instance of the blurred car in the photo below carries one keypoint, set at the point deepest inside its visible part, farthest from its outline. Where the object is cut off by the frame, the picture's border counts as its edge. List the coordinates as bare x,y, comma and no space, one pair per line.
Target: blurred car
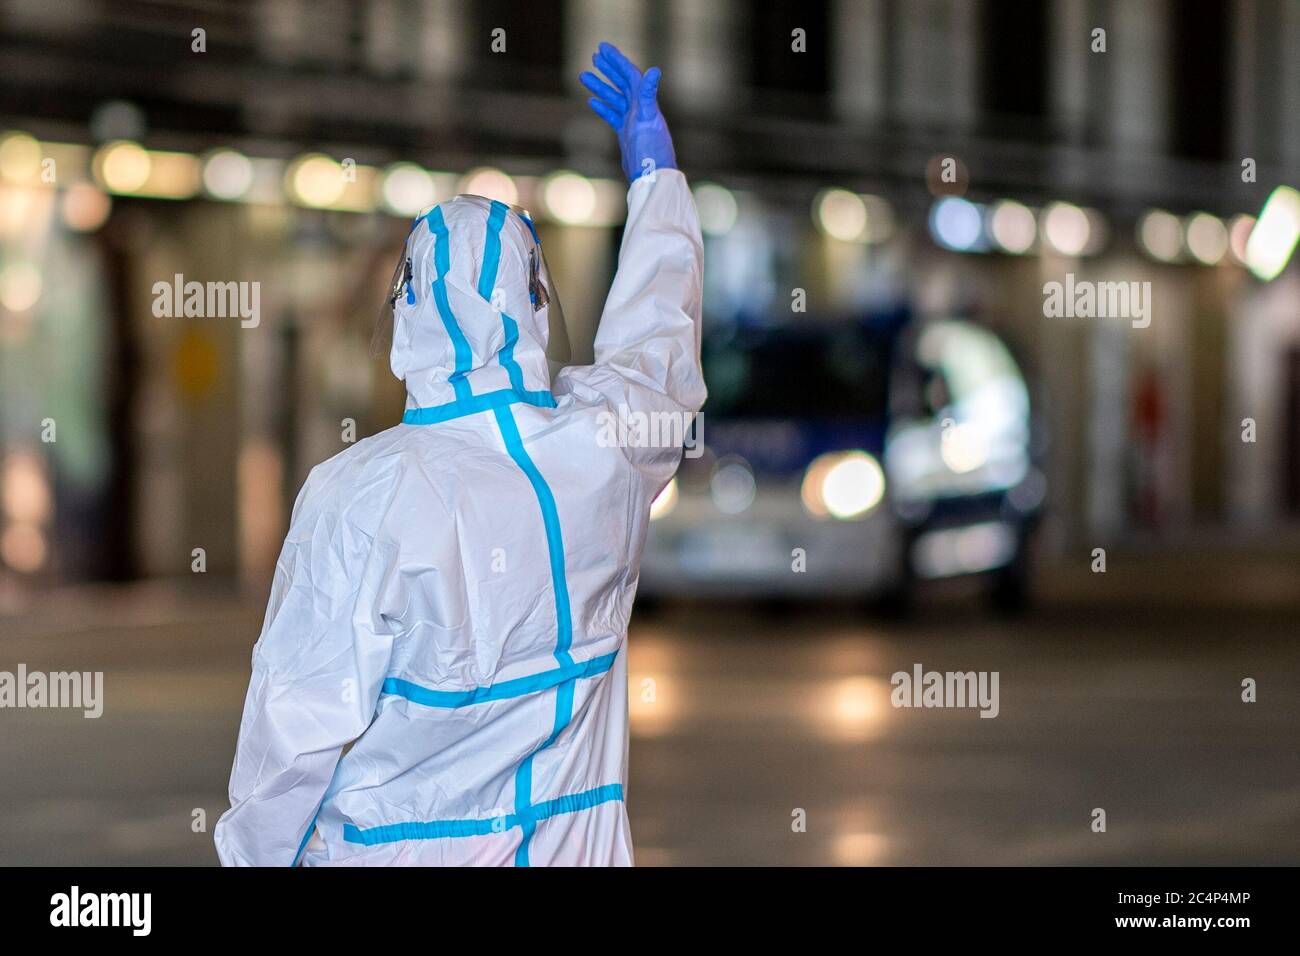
851,460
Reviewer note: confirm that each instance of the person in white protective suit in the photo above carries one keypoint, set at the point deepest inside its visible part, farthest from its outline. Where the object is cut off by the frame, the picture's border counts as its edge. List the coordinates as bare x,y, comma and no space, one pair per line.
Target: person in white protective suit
441,676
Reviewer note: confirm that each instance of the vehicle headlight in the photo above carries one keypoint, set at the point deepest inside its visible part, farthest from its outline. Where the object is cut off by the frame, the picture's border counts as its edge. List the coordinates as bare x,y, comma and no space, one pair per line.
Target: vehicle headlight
843,484
665,501
963,448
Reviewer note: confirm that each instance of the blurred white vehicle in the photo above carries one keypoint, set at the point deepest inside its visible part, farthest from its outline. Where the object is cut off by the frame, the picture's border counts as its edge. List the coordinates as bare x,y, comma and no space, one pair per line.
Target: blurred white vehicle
851,461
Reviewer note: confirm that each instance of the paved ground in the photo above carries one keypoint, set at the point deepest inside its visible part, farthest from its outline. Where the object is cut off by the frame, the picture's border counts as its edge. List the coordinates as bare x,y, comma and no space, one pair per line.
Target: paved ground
1115,694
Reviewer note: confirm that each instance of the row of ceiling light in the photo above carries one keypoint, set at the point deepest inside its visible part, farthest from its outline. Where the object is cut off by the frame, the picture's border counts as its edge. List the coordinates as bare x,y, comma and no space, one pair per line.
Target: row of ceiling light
313,180
1264,243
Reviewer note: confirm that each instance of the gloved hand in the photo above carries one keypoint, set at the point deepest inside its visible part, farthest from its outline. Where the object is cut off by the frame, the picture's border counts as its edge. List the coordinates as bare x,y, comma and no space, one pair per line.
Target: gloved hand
629,105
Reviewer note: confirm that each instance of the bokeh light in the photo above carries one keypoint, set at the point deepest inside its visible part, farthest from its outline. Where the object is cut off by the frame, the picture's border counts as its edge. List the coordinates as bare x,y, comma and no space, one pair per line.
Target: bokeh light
20,158
316,180
1066,228
20,286
123,166
1161,235
1013,226
569,198
841,214
1207,238
717,207
227,174
408,189
85,207
490,183
957,224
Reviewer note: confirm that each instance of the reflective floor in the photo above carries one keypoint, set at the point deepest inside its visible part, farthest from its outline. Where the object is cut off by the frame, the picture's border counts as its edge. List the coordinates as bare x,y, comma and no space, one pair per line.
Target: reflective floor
761,737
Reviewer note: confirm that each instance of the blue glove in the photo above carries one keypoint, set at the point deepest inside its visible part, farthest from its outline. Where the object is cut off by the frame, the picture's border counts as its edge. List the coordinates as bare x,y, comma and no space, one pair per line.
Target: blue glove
629,105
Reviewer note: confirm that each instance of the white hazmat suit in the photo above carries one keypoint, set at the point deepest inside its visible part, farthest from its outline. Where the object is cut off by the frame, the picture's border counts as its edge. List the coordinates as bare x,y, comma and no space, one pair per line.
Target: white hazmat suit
452,601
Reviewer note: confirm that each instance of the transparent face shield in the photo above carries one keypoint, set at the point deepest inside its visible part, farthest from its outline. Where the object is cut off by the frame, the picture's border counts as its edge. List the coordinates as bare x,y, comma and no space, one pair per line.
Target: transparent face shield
541,292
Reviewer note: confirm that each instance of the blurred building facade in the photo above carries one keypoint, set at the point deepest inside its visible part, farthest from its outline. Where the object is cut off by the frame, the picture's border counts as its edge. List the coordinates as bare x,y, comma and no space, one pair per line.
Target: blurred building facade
173,434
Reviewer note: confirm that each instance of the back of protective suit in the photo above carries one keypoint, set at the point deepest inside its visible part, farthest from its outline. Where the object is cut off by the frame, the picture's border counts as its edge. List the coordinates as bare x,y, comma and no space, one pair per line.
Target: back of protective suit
451,604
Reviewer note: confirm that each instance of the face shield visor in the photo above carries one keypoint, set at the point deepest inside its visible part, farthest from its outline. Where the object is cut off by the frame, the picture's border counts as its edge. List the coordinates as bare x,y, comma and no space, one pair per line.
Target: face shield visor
541,292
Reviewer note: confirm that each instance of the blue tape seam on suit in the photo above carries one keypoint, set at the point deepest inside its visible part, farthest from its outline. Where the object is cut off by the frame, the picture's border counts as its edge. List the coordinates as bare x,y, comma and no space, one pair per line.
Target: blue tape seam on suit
441,829
474,404
503,690
442,265
487,281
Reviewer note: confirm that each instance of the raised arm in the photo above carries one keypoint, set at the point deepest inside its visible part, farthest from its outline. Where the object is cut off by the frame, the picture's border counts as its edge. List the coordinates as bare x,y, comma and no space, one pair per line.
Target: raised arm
647,348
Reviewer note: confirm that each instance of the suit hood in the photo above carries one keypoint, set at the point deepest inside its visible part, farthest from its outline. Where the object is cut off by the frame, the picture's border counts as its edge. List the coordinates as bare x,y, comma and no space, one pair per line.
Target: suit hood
465,324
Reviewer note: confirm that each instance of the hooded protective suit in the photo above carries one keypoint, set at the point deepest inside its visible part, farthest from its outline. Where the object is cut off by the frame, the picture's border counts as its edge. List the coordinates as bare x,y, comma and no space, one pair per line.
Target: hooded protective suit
452,601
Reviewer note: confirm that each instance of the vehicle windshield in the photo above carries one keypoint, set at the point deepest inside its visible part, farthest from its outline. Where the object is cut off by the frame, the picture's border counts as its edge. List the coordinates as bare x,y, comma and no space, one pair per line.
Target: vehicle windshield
825,373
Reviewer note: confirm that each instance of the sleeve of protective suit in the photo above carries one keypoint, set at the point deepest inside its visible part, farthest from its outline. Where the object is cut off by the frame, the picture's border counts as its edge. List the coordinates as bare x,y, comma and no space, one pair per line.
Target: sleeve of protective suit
647,349
317,672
